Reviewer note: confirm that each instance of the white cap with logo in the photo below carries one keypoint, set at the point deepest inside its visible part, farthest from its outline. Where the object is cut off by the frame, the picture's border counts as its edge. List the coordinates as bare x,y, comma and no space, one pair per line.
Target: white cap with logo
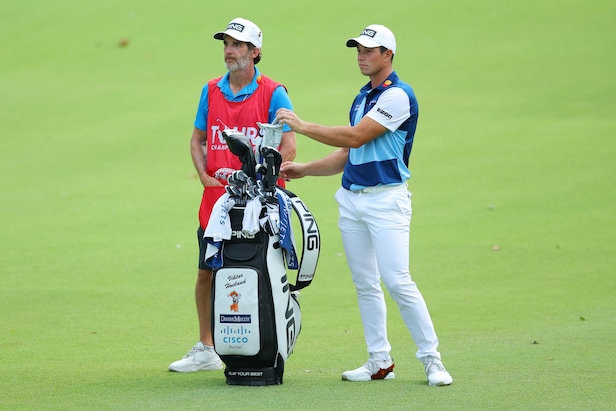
242,30
375,35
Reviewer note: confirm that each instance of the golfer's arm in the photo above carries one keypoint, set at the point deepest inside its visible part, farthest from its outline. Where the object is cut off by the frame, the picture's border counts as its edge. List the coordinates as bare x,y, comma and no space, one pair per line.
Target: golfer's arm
344,136
329,165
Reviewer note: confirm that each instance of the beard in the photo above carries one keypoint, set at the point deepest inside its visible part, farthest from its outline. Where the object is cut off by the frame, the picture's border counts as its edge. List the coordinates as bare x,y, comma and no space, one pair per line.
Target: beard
239,64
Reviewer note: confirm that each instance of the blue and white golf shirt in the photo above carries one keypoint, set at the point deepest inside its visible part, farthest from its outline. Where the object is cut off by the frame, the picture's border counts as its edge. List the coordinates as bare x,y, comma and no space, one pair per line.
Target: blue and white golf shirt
384,160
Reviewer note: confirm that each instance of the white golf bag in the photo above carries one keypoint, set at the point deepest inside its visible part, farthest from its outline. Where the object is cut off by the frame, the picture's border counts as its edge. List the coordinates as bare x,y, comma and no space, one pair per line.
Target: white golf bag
256,317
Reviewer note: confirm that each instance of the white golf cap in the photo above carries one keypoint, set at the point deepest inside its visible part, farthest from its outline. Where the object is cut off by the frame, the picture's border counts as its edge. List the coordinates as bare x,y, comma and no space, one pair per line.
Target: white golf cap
375,35
242,30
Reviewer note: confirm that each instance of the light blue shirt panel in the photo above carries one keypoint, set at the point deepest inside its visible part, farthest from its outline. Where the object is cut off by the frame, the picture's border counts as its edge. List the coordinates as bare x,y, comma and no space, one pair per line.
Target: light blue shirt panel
389,146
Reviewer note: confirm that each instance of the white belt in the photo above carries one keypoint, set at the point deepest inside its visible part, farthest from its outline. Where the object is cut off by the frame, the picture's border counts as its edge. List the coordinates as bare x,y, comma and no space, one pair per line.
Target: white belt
381,188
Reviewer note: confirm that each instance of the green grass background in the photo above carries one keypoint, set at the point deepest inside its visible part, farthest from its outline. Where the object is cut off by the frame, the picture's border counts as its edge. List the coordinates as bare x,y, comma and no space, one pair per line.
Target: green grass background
513,185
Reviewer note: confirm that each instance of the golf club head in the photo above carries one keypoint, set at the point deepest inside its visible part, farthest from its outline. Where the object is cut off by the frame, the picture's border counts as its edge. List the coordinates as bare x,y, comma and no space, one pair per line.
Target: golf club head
234,191
238,178
240,145
271,134
273,160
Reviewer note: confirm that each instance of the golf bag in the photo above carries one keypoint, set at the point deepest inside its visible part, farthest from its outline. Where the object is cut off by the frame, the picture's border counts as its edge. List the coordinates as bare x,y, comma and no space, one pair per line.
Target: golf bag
256,317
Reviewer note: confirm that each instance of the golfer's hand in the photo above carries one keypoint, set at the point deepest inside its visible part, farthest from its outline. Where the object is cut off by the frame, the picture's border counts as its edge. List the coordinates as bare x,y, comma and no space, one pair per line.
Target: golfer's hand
290,170
286,116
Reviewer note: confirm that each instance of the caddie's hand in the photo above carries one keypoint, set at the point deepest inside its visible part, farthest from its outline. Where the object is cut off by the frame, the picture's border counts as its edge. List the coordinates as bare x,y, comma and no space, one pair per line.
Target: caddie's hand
288,117
209,181
222,174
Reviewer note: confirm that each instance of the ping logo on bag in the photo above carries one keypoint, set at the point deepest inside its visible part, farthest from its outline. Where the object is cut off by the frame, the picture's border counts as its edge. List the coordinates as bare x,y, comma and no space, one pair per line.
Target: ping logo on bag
242,234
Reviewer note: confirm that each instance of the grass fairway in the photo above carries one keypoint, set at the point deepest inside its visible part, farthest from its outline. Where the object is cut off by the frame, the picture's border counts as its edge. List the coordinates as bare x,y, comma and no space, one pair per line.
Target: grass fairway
512,243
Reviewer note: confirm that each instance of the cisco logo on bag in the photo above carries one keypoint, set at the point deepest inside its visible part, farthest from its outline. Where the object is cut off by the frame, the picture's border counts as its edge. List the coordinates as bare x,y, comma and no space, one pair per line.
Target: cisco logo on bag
234,335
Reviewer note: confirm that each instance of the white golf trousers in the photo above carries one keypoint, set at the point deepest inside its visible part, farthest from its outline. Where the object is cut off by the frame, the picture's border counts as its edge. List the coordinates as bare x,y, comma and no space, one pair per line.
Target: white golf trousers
375,230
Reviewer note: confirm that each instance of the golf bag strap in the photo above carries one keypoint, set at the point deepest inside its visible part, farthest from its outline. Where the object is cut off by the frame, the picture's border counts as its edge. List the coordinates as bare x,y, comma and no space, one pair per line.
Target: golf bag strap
311,241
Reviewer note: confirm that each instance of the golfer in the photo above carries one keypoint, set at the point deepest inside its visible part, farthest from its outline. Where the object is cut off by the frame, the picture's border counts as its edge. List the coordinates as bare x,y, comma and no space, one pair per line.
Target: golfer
375,204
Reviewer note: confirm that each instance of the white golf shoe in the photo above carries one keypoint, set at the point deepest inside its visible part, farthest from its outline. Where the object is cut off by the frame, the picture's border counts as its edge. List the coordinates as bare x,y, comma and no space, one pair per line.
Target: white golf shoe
199,358
436,372
372,370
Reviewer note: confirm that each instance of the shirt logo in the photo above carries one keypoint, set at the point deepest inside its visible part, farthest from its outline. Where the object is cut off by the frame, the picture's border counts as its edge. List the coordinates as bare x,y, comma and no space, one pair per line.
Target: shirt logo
368,32
384,113
236,26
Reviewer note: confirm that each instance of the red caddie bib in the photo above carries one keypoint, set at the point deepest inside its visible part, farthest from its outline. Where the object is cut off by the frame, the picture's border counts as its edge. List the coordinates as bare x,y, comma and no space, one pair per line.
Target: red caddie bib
240,115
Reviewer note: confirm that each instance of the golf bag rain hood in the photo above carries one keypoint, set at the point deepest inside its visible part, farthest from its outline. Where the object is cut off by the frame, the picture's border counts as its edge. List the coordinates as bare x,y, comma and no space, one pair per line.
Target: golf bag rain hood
256,317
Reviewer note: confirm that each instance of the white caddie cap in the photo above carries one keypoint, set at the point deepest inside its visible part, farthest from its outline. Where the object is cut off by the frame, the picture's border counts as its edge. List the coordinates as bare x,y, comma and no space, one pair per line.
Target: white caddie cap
375,35
242,30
